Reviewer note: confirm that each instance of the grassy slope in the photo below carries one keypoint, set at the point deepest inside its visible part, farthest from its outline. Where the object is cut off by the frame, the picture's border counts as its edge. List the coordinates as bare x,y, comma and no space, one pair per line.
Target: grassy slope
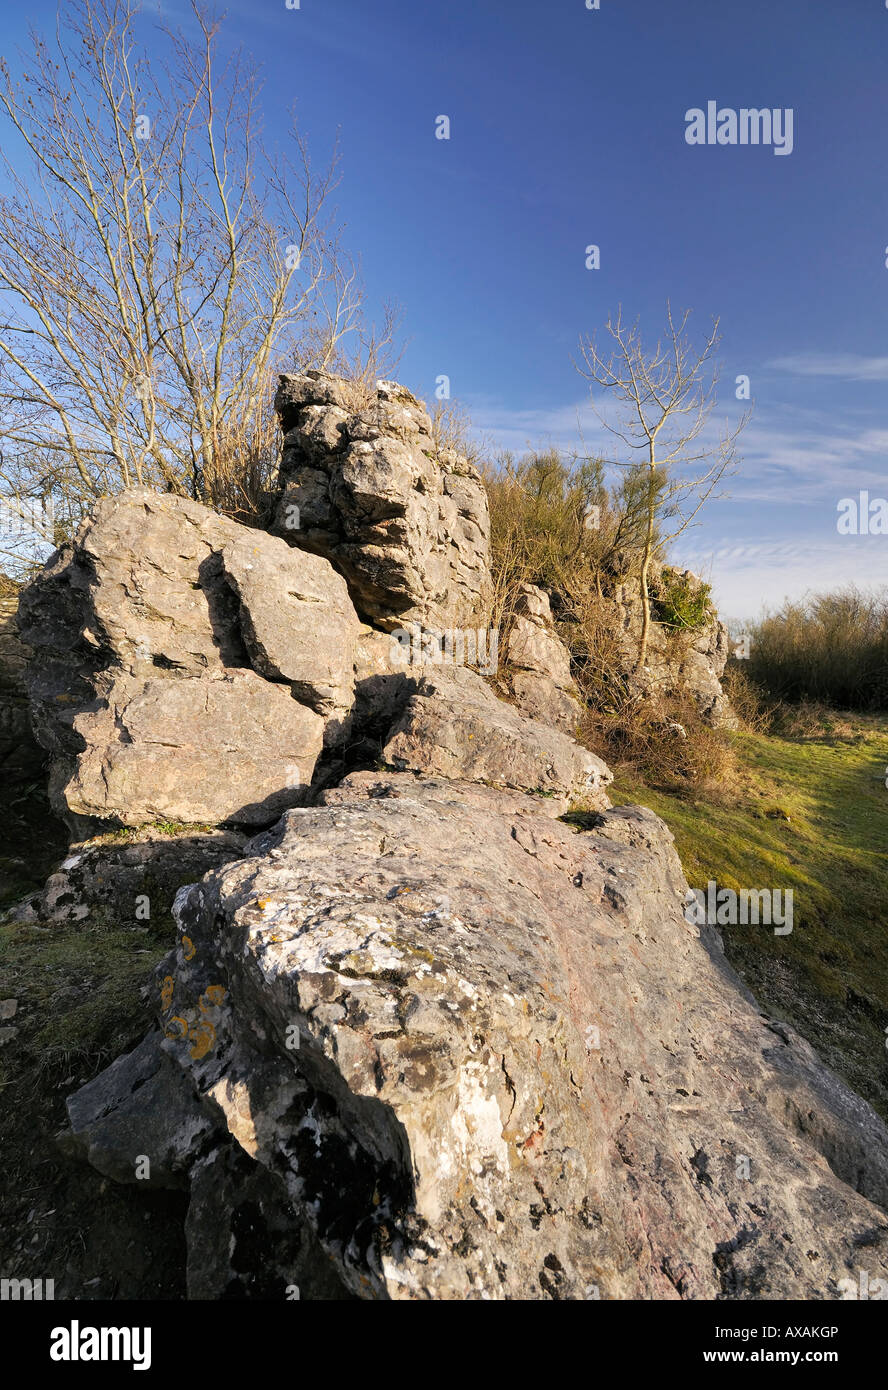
811,815
83,992
80,992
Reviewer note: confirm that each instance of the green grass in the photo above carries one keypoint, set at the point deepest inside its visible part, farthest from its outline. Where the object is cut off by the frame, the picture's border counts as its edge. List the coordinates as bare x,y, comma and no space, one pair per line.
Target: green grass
81,1003
79,991
811,815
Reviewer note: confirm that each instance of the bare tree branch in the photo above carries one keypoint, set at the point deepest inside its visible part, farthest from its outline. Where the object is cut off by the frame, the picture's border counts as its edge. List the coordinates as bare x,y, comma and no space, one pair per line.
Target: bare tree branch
158,264
666,398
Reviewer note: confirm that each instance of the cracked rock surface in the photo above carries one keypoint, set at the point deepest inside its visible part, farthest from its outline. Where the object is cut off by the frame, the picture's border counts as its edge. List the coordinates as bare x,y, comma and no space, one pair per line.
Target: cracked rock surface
454,726
540,674
690,663
184,667
364,483
443,1046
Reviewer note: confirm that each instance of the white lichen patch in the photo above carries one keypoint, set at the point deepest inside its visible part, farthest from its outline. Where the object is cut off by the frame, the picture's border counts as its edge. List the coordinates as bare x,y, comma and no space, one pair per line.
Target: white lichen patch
397,1274
312,1125
179,902
362,939
477,1124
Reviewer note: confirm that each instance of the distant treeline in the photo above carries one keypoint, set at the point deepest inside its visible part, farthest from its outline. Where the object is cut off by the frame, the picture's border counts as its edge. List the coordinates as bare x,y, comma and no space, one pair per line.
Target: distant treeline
831,648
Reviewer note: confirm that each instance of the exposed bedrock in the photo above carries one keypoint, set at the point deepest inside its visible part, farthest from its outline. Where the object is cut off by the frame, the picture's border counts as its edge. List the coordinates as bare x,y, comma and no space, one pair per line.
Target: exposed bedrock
461,1050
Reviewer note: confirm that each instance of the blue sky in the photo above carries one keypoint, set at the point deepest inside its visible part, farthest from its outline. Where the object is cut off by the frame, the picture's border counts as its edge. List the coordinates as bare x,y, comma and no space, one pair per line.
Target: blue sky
568,128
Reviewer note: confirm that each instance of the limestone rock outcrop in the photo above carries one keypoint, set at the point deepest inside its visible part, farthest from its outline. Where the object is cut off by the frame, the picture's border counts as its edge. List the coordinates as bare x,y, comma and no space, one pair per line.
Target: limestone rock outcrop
454,1049
184,667
364,484
443,1030
454,726
678,663
540,673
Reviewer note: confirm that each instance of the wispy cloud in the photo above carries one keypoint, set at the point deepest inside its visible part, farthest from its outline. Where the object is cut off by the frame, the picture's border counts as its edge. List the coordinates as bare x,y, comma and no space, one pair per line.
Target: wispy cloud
571,427
781,456
750,577
780,451
848,366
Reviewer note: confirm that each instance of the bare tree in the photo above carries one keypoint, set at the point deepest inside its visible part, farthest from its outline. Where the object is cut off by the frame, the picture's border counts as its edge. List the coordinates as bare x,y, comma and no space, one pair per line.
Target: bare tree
667,396
158,263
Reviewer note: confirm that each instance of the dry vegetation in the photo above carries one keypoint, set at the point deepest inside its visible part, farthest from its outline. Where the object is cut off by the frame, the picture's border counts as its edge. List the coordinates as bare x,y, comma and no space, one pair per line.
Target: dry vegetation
829,649
540,510
158,272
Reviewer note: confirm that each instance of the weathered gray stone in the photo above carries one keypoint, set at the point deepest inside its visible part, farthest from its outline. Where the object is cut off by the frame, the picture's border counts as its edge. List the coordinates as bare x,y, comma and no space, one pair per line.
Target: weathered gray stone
812,1102
680,664
236,1210
296,618
107,1120
383,682
539,664
183,666
230,748
454,726
533,644
541,699
131,881
488,1059
363,485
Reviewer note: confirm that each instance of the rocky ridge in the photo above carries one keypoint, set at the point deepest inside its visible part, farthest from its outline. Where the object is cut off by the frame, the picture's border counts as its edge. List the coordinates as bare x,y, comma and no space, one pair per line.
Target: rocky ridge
463,1051
434,1024
685,663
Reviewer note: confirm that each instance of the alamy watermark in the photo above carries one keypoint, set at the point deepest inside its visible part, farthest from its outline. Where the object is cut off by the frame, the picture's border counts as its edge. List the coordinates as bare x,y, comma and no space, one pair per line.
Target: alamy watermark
723,907
27,516
453,647
864,1287
862,515
749,125
26,1290
76,1343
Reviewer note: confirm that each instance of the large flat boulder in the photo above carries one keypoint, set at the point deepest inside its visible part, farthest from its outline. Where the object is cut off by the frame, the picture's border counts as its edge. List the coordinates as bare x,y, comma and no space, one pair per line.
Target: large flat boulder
465,1052
229,748
296,618
454,726
184,667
